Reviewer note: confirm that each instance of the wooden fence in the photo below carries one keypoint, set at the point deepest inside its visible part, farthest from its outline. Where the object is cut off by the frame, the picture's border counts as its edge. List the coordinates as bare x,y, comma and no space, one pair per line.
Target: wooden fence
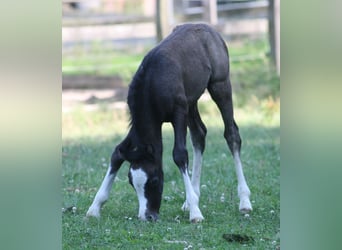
233,18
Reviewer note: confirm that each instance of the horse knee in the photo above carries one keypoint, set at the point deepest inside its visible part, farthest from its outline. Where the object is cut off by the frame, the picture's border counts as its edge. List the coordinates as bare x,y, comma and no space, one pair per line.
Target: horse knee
202,139
116,160
233,138
180,157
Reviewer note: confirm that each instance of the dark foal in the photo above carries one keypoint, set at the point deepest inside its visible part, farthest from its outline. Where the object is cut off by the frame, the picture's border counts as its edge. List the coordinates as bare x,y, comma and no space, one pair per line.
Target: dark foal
166,88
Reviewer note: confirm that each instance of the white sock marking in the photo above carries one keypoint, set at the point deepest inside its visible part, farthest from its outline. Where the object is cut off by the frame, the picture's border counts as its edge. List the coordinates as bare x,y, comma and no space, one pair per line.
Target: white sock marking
196,170
196,175
101,195
192,200
243,190
139,179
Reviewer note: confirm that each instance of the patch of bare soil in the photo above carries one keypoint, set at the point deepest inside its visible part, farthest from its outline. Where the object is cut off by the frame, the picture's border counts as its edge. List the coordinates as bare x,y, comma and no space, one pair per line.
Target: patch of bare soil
91,91
91,82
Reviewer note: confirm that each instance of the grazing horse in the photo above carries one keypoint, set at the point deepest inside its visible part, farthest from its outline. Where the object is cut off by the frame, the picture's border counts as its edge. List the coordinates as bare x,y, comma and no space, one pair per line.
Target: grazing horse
166,88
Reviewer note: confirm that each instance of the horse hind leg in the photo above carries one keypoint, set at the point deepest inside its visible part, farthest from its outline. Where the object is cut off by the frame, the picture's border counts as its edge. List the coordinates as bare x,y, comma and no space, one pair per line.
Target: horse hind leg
222,95
198,132
243,189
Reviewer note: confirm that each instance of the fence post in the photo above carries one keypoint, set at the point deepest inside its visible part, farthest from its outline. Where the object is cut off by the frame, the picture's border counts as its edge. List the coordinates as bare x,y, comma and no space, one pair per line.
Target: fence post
210,11
158,22
277,34
274,32
164,18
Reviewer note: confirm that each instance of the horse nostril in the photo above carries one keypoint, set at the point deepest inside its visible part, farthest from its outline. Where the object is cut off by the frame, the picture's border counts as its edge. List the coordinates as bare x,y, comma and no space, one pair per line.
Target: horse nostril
152,216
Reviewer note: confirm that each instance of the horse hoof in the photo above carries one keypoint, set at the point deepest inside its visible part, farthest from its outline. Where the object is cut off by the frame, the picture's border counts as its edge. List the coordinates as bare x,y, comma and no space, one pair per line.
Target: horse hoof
197,220
245,211
93,213
245,207
185,206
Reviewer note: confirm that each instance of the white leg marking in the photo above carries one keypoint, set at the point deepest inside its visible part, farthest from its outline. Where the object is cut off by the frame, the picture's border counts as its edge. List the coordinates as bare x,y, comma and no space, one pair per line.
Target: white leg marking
243,190
101,195
196,175
139,179
192,200
196,171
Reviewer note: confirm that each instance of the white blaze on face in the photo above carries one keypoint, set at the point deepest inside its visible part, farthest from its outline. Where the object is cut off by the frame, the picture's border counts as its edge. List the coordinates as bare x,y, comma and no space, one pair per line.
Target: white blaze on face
139,179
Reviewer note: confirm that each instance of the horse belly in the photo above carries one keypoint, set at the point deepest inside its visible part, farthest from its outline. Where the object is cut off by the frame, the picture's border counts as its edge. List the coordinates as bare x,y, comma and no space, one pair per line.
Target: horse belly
195,83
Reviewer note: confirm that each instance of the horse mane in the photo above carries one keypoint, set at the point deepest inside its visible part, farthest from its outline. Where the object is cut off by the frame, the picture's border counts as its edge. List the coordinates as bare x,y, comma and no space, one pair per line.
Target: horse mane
135,98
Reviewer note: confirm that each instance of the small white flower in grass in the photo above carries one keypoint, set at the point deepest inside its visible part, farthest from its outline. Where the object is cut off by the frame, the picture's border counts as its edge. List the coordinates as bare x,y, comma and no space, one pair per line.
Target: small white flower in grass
63,209
222,197
246,215
74,209
272,212
274,242
77,190
203,186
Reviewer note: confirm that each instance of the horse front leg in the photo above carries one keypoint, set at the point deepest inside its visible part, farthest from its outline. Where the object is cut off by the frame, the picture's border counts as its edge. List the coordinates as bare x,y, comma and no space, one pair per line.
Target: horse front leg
180,157
102,194
198,132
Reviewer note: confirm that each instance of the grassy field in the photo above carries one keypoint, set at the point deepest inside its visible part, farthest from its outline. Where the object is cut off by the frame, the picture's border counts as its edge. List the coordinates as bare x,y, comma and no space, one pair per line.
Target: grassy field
88,140
90,137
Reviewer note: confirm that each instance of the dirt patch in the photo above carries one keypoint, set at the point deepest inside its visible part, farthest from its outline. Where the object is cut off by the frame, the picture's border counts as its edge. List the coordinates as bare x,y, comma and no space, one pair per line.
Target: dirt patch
91,91
91,99
91,82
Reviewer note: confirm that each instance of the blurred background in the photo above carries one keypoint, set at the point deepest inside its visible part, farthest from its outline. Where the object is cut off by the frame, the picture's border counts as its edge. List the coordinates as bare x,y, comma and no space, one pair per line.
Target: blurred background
104,41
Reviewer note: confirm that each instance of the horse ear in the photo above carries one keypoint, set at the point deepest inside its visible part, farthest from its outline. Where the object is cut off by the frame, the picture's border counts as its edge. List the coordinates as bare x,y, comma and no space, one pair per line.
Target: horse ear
122,150
133,153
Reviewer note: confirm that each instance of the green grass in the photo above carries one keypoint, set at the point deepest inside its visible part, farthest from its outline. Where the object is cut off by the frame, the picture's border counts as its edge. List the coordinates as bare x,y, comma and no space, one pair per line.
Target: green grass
88,141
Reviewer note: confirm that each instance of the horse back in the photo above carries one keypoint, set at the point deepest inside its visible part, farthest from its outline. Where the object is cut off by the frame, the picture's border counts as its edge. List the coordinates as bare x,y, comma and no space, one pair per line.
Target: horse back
179,69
